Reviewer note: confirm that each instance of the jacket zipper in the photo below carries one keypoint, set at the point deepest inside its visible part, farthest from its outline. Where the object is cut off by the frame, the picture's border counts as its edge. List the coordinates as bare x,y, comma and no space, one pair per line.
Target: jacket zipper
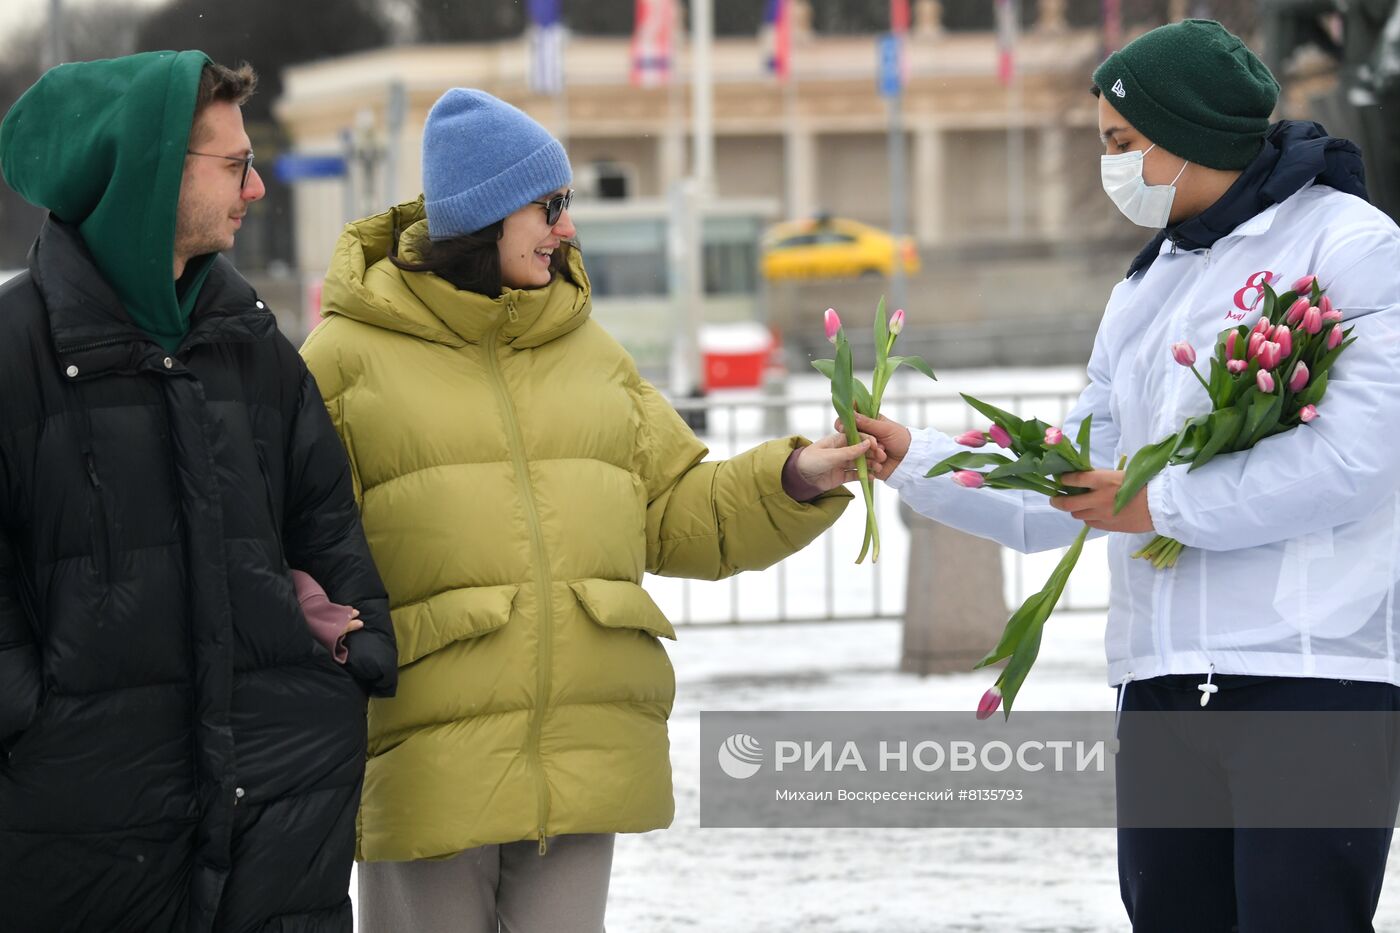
95,345
532,518
102,552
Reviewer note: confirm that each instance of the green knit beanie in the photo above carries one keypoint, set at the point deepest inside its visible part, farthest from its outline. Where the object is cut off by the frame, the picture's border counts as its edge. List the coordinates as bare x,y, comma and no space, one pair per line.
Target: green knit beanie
1195,90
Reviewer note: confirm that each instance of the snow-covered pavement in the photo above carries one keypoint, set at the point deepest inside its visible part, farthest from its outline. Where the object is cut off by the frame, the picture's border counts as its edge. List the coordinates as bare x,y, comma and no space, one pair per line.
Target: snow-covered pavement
849,880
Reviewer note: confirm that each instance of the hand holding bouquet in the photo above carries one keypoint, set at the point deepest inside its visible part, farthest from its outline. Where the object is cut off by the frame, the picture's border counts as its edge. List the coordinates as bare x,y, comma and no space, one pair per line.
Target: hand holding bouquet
1264,380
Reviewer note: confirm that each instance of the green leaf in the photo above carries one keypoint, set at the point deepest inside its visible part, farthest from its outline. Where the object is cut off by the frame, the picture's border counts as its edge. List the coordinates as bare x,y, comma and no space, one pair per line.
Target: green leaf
1146,463
1012,678
842,382
1010,422
1314,392
1225,427
967,460
1055,462
1027,647
826,367
915,362
1028,483
1259,414
1267,419
1032,434
1085,432
1330,357
865,403
1014,630
1271,303
1027,464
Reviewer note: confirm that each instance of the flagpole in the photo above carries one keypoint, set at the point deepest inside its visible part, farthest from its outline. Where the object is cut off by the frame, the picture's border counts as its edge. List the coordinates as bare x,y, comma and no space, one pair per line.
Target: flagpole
1015,132
699,189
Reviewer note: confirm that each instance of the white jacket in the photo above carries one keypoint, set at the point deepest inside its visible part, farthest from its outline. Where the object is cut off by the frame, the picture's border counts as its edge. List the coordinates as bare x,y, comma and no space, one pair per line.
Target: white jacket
1293,548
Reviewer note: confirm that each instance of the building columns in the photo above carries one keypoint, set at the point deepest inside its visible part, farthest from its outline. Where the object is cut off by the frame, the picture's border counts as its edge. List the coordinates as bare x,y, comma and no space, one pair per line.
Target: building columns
928,176
1052,175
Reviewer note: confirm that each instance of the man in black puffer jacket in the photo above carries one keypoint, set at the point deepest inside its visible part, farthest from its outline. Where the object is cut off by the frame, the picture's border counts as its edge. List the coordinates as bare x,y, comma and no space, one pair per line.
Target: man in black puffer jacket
177,752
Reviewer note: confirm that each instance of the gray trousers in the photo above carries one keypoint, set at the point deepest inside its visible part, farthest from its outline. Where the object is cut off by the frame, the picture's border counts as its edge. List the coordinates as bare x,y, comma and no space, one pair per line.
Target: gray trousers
507,888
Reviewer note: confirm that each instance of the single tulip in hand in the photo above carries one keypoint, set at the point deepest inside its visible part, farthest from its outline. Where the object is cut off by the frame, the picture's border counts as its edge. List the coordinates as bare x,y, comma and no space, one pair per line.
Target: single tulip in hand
849,395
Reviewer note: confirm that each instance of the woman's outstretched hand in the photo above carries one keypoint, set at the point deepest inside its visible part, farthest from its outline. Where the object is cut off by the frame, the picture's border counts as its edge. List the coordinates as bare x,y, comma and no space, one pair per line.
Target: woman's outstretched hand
830,462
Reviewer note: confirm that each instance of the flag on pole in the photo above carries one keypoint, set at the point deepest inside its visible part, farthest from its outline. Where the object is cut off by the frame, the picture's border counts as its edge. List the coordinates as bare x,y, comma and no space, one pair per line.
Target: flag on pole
899,17
1112,26
652,30
777,38
899,28
546,47
1006,40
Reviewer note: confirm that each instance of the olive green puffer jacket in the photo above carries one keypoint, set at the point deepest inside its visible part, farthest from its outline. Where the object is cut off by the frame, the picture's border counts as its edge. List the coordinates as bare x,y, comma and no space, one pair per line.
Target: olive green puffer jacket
516,477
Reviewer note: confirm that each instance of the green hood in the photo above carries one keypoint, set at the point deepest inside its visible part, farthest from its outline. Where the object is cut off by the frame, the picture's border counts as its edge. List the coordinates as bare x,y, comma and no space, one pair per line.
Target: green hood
102,145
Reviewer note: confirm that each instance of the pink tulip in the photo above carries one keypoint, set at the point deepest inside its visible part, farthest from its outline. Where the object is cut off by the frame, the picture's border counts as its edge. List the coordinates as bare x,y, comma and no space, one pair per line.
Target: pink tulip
1263,326
971,439
1312,321
990,702
1307,413
1304,285
1256,340
1284,338
969,479
833,324
1295,311
1236,366
1230,341
1270,354
897,322
998,434
1184,353
1264,381
1300,377
1331,317
1053,436
1325,304
1334,339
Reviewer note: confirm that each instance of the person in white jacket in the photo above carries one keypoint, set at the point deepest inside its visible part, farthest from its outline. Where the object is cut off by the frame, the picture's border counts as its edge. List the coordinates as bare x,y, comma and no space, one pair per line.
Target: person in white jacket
1286,595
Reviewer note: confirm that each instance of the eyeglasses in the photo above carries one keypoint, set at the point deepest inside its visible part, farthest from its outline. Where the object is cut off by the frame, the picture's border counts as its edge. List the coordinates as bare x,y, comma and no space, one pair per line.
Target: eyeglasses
556,206
247,161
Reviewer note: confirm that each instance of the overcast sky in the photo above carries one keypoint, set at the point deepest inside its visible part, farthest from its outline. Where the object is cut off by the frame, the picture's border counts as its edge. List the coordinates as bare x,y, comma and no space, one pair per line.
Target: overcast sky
16,14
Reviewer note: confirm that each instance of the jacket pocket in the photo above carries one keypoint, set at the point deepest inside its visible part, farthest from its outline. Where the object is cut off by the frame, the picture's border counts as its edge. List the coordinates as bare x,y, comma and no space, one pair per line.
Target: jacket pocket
622,604
101,531
431,624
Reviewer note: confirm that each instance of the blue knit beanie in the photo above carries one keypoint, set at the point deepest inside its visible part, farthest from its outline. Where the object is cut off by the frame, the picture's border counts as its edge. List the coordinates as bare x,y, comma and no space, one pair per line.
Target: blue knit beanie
484,160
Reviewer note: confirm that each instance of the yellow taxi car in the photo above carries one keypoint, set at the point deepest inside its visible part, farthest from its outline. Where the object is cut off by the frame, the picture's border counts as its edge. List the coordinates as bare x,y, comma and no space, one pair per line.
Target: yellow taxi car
834,248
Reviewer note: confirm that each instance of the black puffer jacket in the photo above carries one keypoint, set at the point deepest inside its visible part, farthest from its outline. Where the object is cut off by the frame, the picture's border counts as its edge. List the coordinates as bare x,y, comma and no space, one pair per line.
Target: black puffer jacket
176,751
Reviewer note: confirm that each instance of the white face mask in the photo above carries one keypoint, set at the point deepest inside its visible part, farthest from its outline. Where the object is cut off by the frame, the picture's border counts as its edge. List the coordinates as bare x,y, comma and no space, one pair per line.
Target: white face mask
1145,205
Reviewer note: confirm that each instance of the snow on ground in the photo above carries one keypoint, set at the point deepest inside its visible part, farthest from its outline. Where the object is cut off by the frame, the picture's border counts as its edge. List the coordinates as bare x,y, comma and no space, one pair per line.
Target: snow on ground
864,880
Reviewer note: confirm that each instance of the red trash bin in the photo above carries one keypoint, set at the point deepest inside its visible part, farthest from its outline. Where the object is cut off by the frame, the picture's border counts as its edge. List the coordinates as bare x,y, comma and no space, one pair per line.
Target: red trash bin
734,355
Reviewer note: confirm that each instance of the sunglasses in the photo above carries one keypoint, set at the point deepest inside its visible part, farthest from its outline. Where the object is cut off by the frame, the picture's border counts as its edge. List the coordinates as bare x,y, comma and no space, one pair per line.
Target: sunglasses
247,161
556,206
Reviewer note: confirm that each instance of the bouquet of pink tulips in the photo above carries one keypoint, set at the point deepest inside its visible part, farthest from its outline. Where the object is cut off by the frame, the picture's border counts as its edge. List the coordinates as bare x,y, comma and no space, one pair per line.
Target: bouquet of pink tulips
849,394
1043,453
1263,381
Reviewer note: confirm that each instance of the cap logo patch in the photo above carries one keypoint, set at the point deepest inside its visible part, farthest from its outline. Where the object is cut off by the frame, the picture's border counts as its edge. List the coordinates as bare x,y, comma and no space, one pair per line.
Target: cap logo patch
1118,89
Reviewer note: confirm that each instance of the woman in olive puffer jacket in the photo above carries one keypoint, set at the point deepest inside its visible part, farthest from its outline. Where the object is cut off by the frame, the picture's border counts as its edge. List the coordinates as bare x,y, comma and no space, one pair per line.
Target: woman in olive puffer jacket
516,477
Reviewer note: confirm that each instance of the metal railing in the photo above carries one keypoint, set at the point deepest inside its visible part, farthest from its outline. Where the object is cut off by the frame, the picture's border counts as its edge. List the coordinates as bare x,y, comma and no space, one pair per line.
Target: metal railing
822,583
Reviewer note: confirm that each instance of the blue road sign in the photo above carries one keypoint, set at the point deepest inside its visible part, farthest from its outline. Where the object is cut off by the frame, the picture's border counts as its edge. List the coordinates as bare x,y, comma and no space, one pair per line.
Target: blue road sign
891,77
292,167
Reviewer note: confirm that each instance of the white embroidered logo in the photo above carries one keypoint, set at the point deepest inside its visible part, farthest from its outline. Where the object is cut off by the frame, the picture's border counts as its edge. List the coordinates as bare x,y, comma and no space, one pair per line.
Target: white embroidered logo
1118,88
